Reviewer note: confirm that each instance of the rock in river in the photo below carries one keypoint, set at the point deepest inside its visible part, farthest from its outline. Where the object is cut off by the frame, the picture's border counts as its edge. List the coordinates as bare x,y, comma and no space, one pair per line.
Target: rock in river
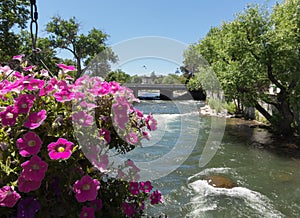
218,181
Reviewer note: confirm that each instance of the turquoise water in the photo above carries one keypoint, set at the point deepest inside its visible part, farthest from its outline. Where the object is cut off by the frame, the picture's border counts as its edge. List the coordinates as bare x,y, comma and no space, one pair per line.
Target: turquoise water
268,184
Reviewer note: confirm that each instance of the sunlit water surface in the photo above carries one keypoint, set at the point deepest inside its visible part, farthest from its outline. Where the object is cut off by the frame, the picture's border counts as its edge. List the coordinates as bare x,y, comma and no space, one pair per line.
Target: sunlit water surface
268,185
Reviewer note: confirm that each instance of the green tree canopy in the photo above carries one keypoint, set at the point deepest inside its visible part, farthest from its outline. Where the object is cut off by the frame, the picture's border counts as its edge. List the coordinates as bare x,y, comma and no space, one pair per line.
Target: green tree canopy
64,34
14,15
257,50
118,76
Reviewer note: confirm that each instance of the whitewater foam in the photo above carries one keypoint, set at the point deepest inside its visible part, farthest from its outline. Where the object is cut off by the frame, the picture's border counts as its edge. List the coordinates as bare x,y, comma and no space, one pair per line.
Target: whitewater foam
206,195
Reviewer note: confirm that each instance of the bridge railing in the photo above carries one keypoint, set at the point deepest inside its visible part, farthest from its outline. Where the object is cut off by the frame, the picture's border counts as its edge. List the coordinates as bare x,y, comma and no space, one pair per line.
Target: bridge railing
156,86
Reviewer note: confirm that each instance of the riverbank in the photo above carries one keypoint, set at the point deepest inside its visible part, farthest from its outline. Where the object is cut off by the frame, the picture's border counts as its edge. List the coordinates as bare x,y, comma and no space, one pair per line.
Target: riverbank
266,139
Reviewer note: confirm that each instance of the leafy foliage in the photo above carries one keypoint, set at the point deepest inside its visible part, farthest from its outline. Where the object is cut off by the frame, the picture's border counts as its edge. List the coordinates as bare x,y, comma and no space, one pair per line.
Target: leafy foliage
14,14
65,34
255,51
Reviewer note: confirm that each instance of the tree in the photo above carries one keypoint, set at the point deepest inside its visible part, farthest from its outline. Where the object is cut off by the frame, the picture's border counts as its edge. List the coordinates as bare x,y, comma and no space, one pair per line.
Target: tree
118,76
64,34
47,56
257,50
135,79
13,14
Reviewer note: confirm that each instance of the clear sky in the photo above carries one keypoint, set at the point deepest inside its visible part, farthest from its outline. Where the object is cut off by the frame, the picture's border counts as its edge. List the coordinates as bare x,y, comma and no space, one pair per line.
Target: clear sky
186,21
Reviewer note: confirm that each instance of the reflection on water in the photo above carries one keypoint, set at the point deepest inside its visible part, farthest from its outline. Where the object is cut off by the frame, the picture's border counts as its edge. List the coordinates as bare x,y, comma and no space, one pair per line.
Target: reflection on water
268,184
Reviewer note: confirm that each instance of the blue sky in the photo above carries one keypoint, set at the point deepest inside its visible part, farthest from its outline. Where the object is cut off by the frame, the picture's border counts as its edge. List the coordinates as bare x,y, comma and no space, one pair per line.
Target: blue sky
185,21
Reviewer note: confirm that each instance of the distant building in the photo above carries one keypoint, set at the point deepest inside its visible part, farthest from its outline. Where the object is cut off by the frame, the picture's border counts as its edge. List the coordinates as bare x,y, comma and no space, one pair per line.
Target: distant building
147,80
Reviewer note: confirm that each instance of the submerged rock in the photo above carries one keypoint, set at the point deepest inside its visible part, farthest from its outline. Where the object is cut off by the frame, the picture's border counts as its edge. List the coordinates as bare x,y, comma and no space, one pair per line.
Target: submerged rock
220,181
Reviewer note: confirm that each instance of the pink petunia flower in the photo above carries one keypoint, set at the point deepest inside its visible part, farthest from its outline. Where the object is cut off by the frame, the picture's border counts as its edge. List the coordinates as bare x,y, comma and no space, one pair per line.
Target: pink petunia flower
30,144
64,95
44,73
46,90
24,103
82,118
131,164
96,204
9,116
26,186
114,86
151,122
146,187
132,138
35,84
146,135
134,188
8,197
34,169
101,165
128,209
66,68
104,135
86,189
120,111
87,212
34,119
156,198
5,70
18,57
29,68
61,149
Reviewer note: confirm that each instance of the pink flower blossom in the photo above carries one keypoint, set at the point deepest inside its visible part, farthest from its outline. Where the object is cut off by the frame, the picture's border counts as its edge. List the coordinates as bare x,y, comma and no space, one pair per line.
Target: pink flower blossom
120,111
131,164
134,188
156,198
96,204
35,84
29,68
66,68
24,103
128,209
18,57
9,116
146,187
34,169
64,95
151,122
82,118
18,75
34,119
132,138
86,189
104,135
87,212
139,113
114,86
44,73
62,85
146,135
46,90
30,144
61,149
5,70
26,186
89,106
101,165
8,197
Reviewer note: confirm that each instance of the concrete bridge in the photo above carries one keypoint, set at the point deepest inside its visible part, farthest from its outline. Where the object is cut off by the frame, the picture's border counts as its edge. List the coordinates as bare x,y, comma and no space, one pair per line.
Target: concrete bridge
164,89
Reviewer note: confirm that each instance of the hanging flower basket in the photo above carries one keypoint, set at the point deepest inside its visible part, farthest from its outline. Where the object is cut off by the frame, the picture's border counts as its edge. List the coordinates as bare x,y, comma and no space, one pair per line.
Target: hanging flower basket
56,139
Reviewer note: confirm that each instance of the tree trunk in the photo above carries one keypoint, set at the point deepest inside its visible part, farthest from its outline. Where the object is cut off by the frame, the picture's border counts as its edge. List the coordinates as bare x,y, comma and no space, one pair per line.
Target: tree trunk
287,116
79,70
264,112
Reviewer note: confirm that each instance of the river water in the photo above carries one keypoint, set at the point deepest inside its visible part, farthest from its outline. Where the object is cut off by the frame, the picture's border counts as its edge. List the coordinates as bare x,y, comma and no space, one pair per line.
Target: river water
267,184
